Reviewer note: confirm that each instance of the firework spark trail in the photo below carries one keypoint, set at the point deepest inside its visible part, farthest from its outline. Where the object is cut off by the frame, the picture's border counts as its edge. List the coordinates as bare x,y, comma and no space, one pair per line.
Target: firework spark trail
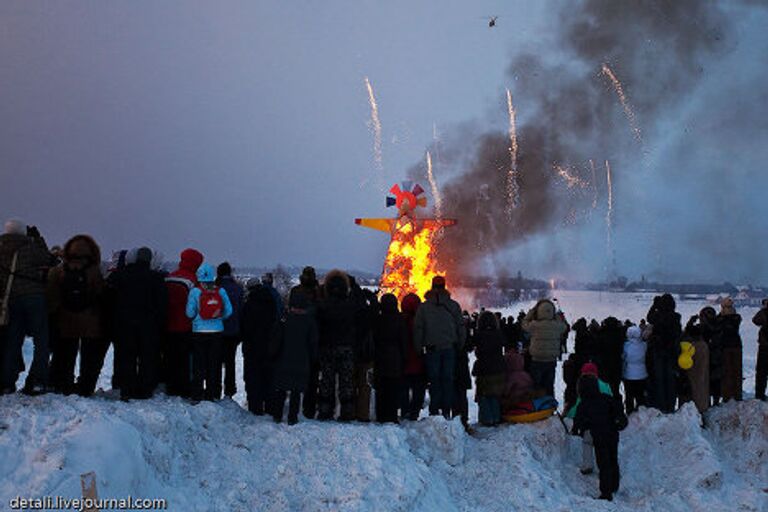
570,179
594,183
608,72
435,191
512,185
609,213
376,127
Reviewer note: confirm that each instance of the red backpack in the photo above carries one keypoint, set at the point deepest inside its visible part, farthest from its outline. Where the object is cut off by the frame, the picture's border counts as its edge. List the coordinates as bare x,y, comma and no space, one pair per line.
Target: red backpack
211,304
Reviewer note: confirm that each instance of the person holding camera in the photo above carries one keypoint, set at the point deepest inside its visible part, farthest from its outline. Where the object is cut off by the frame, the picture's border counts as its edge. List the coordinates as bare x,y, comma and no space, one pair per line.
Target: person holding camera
24,261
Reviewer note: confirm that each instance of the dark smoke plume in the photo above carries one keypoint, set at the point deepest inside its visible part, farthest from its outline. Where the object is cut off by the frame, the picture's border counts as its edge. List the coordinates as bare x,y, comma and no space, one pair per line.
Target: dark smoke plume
568,113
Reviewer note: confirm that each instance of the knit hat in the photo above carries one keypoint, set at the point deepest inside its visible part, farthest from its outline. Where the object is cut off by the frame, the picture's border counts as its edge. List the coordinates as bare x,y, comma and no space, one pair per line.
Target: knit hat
206,273
438,283
589,369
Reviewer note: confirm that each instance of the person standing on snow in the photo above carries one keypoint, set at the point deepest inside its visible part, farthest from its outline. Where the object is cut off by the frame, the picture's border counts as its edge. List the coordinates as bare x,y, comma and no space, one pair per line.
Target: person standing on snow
231,334
601,414
415,379
439,331
761,371
634,371
664,347
698,374
489,369
257,321
310,288
76,292
176,352
339,320
389,336
208,305
546,329
139,306
729,322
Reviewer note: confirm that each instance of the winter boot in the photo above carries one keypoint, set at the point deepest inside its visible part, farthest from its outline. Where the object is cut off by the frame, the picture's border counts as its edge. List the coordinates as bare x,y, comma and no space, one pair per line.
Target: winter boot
347,412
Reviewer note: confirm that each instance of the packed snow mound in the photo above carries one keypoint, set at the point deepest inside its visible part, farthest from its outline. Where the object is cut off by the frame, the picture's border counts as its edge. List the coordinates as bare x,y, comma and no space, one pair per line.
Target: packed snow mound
217,456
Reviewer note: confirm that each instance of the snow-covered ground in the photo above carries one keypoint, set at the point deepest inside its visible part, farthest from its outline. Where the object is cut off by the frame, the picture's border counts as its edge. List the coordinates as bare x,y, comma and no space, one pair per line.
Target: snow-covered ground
217,456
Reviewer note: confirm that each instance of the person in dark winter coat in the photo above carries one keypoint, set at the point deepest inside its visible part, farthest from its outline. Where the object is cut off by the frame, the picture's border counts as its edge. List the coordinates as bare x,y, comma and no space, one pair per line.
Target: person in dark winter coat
611,340
177,348
601,415
364,349
389,335
462,380
440,331
76,293
208,306
663,348
257,321
310,287
139,299
489,369
415,378
26,305
231,335
296,350
339,318
729,322
761,371
698,374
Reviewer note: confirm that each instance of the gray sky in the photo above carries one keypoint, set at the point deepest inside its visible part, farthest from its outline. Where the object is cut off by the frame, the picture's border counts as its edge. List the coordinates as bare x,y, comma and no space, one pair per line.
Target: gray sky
241,128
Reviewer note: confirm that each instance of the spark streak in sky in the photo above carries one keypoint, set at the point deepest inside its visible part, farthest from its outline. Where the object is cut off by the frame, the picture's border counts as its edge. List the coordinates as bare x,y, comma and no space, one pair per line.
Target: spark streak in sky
609,213
376,127
608,72
570,179
512,185
594,183
435,191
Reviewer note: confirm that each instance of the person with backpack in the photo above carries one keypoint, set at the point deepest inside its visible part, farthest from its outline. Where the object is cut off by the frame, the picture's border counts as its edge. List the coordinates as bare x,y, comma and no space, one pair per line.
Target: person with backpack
489,369
208,306
76,291
176,354
231,334
257,321
139,304
389,335
603,416
24,260
294,351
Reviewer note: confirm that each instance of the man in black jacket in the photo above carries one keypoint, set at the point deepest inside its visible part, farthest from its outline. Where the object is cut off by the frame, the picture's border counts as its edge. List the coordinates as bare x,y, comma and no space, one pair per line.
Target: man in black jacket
258,317
140,299
761,372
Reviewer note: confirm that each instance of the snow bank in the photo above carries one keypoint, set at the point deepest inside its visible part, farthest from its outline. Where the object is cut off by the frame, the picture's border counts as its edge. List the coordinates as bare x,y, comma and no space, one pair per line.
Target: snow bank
219,457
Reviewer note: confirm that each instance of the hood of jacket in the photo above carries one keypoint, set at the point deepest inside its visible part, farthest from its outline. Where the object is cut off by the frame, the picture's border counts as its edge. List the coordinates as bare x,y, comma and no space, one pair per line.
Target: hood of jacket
410,304
190,260
545,310
634,333
206,273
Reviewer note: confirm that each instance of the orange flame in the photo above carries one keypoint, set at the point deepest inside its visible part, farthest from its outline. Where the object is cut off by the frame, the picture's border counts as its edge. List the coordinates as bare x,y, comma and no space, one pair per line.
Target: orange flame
410,264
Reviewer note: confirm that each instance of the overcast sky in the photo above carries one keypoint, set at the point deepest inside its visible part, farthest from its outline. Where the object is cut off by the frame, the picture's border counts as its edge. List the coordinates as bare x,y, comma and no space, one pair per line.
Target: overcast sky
242,128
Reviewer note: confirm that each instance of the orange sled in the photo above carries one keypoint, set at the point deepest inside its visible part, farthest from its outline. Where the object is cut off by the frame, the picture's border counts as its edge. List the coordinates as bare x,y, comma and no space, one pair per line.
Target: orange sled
529,417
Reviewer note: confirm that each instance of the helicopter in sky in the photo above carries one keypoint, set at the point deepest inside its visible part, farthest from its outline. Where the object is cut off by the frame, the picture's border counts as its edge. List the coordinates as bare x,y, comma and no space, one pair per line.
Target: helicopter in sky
492,21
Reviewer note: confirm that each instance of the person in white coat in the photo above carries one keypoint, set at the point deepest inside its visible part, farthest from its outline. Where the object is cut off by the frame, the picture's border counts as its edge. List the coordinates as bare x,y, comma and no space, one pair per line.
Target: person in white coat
635,373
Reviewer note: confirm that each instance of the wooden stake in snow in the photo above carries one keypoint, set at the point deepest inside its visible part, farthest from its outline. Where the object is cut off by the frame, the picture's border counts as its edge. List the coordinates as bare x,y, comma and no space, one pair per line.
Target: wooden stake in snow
88,484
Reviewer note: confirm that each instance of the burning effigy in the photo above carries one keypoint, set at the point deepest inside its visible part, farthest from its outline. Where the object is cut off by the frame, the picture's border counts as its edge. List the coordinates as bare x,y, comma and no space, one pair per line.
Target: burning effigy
411,260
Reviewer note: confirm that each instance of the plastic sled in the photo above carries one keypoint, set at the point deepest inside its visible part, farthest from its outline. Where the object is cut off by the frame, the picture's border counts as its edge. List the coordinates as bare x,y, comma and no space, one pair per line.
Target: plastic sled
529,417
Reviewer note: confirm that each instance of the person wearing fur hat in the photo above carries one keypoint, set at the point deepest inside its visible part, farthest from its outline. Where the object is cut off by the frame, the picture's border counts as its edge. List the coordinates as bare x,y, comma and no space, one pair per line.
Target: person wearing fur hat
208,306
546,330
176,349
761,371
24,260
729,322
139,300
439,331
76,292
339,320
634,370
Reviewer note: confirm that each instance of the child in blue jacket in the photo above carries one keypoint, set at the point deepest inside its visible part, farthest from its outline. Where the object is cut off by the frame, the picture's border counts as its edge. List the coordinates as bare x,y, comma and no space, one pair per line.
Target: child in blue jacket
208,306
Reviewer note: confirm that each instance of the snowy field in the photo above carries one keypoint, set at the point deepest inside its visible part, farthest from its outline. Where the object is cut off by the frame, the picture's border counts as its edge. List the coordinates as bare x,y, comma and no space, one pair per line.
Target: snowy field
217,456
